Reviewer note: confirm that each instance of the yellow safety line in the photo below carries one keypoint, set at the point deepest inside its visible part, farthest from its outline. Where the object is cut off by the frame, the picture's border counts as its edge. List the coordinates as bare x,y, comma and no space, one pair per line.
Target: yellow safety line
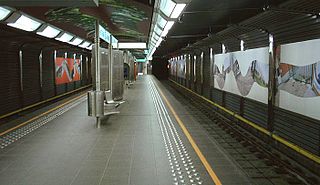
42,102
204,161
40,115
295,147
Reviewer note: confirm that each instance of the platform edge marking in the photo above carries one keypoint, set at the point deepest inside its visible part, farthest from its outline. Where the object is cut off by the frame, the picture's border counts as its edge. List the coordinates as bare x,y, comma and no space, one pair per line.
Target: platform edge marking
42,114
204,161
291,145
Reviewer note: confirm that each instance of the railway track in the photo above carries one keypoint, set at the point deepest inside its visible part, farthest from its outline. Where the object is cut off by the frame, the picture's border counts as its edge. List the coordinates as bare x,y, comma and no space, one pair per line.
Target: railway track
262,164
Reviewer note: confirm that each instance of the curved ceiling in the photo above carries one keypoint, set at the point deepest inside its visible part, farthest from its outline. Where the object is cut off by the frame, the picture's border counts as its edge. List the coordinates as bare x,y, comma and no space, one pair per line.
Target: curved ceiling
127,20
202,18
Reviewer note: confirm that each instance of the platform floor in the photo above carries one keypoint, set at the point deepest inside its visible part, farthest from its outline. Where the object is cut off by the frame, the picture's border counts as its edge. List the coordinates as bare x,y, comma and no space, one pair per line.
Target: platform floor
143,145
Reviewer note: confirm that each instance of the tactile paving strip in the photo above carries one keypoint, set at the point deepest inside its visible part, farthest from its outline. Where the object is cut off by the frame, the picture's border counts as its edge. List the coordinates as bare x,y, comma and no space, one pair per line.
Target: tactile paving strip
17,134
182,167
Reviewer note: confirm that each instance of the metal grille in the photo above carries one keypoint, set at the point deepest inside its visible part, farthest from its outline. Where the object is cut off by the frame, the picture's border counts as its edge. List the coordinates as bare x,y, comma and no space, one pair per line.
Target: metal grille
232,102
30,74
298,129
256,112
47,74
9,74
216,95
118,79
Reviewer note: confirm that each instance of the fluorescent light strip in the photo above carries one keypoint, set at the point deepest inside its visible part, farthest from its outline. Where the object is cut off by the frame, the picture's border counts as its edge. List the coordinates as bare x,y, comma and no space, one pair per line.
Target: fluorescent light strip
157,30
49,32
167,28
167,7
132,45
159,42
242,45
89,47
76,41
177,10
85,44
25,23
155,37
65,37
161,21
115,45
4,13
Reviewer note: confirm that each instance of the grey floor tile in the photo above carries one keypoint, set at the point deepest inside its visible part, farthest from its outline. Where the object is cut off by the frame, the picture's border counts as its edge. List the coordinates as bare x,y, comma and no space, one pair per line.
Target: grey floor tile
115,180
86,180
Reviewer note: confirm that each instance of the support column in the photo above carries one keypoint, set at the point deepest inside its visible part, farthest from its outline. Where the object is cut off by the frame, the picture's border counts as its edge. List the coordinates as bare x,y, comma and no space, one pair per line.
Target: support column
271,85
97,56
97,64
54,72
40,74
21,79
110,66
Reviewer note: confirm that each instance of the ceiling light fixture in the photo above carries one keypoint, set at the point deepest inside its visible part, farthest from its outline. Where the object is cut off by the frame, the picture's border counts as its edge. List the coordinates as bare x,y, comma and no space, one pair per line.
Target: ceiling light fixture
25,23
161,21
167,28
85,44
167,6
49,32
64,37
159,42
177,10
89,47
132,45
76,41
4,13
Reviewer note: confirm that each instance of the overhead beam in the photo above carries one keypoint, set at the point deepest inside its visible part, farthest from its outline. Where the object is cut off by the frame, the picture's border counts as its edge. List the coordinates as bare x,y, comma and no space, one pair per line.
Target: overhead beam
56,3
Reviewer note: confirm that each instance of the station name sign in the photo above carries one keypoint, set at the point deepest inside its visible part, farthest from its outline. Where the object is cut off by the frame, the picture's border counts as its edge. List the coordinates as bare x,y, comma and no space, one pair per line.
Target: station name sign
106,36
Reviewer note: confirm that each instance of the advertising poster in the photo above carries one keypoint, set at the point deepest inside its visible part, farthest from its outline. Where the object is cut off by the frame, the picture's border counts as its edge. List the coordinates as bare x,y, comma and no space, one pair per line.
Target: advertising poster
67,70
298,77
245,73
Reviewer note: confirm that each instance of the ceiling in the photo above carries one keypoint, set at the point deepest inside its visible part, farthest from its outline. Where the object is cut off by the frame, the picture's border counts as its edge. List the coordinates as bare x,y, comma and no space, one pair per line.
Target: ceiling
50,3
130,20
202,18
127,20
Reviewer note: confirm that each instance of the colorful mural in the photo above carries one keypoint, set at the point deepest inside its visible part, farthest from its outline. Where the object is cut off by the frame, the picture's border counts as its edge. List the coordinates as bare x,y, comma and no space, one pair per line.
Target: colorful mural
67,70
257,72
301,81
120,18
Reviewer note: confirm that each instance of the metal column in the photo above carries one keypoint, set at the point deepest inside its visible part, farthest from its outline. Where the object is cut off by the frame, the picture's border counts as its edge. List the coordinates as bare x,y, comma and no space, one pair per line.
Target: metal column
97,55
110,66
97,64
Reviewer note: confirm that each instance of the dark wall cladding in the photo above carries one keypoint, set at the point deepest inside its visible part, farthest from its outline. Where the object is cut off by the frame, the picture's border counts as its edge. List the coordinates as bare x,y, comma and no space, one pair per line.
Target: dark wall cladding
256,112
232,102
33,91
48,79
9,76
216,96
299,23
159,68
298,129
30,74
206,73
198,73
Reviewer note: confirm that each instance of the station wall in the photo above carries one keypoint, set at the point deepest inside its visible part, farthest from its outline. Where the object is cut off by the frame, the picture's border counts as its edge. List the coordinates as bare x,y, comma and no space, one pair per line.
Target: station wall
239,81
30,73
298,77
245,73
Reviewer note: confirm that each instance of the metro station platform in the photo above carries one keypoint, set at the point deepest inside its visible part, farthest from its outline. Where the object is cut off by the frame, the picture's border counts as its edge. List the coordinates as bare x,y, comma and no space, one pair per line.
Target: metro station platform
155,140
